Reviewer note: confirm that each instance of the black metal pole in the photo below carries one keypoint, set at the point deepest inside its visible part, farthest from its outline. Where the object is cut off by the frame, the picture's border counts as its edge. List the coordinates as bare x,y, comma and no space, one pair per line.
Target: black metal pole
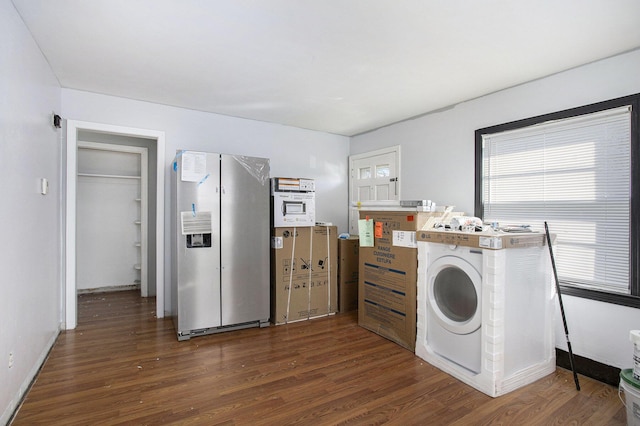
564,318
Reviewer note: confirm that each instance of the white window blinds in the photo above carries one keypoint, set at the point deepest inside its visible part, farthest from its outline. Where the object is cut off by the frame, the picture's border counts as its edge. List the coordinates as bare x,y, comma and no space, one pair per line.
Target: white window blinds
574,174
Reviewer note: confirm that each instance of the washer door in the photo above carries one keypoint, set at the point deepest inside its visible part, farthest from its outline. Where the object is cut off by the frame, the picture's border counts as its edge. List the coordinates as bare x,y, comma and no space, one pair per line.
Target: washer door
454,294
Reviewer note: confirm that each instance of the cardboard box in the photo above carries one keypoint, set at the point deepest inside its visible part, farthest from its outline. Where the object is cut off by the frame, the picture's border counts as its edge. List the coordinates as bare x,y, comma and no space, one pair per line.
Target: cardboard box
304,273
293,202
348,251
488,240
387,283
294,209
281,184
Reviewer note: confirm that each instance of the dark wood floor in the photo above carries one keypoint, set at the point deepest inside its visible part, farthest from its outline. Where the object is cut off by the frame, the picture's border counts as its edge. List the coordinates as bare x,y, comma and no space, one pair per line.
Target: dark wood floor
123,366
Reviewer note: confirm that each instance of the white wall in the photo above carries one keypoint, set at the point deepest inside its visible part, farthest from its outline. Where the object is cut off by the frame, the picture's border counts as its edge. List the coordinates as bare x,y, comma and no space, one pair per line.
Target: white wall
293,152
438,164
29,222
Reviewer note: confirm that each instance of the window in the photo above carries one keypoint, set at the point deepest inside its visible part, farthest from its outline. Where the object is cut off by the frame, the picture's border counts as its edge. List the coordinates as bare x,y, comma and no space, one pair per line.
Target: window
382,170
574,169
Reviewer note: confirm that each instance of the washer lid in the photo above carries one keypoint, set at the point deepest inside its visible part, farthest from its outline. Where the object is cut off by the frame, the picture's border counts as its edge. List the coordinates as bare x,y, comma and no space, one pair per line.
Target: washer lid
454,294
627,376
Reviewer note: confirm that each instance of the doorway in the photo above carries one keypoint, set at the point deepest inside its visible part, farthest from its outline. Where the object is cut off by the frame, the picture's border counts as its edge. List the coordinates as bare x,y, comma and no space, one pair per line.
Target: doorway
79,133
111,217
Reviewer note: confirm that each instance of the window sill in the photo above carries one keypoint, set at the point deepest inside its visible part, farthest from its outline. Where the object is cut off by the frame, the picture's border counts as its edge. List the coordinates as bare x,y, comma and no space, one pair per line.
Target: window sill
601,296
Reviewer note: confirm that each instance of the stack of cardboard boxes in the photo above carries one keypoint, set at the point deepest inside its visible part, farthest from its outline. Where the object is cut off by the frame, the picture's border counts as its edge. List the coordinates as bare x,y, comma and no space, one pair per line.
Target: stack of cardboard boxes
304,257
388,274
315,273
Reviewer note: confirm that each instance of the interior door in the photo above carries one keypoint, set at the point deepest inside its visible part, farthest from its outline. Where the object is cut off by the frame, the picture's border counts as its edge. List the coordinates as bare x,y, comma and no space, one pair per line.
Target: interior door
373,181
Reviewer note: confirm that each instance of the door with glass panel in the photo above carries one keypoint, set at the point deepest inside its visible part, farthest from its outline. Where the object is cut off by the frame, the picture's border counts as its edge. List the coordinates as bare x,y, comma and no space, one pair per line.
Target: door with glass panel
373,181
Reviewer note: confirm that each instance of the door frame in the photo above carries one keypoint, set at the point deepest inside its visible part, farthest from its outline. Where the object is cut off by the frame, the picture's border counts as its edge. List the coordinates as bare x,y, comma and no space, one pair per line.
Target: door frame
143,152
70,308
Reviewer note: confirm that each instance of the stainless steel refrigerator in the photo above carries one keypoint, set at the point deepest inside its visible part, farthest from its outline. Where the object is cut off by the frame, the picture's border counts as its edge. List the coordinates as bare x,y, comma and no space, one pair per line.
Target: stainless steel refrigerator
220,243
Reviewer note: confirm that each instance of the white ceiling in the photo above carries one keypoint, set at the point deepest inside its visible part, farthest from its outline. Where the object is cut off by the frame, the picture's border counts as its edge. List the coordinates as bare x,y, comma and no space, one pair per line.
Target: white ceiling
338,66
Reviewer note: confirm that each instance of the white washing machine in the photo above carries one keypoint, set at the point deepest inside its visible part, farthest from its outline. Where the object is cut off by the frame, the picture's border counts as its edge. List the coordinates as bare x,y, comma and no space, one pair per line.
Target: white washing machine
485,308
454,310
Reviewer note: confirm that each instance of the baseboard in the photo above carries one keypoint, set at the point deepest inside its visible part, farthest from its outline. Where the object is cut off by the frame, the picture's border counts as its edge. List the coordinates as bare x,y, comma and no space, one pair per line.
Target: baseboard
590,368
16,402
108,289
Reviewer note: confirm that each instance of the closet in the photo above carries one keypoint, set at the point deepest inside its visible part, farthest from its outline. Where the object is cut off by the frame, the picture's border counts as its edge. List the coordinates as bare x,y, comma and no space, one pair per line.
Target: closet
111,226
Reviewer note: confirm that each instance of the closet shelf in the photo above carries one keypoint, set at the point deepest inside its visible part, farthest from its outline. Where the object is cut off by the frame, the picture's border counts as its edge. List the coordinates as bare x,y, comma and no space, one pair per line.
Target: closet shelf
108,176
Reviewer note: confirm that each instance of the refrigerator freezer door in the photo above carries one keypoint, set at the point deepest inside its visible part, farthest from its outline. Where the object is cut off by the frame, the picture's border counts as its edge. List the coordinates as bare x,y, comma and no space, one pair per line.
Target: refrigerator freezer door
198,257
245,250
